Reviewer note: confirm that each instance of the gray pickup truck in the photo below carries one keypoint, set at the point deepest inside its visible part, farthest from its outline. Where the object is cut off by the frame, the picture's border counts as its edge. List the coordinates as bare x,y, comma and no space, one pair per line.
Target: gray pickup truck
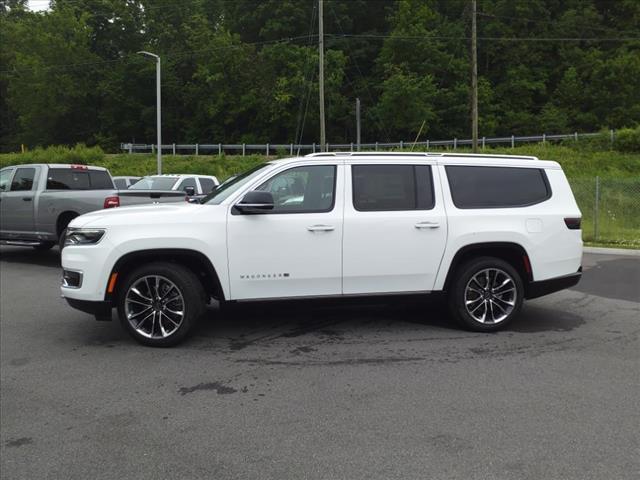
38,201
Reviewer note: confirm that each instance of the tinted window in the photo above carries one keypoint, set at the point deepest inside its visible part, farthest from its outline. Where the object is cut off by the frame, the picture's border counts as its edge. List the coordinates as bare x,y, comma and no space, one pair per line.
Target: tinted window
302,189
154,183
496,187
392,187
5,175
207,185
121,183
188,182
23,179
67,179
232,184
100,180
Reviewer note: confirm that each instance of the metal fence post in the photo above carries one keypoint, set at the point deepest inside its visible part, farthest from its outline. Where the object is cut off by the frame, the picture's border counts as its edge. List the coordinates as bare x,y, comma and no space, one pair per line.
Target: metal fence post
131,148
352,146
483,142
174,148
267,149
314,147
401,144
596,230
219,149
376,146
291,150
544,138
427,144
244,147
575,136
196,149
455,143
611,135
513,141
152,149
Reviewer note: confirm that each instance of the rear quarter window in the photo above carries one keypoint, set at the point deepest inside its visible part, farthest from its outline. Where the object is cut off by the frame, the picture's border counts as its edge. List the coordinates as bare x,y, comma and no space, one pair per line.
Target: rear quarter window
497,187
100,180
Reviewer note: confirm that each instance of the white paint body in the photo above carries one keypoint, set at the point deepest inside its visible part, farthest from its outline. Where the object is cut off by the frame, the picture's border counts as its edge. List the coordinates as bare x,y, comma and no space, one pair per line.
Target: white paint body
340,252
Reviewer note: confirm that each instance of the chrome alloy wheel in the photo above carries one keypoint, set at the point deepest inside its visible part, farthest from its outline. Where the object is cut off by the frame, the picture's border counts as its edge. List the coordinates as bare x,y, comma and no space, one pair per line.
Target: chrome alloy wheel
490,296
154,306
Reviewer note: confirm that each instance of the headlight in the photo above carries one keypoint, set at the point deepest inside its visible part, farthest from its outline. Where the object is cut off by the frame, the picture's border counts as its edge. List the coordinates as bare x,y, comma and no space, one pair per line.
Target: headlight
83,236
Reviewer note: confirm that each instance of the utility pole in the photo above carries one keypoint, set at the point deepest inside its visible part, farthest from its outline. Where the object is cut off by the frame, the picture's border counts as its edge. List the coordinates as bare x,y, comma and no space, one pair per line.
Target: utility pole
358,123
158,108
323,136
474,79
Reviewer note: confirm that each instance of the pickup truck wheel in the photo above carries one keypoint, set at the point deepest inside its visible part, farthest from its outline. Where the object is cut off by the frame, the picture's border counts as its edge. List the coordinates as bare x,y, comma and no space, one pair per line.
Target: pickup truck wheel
159,303
486,294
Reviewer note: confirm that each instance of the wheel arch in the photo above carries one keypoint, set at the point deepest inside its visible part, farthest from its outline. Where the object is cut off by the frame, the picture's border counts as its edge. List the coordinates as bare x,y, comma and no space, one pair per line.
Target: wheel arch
511,252
64,219
194,260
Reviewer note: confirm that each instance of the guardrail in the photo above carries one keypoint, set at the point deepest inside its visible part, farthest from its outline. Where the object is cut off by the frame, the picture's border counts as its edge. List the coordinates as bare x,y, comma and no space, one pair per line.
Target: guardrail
297,149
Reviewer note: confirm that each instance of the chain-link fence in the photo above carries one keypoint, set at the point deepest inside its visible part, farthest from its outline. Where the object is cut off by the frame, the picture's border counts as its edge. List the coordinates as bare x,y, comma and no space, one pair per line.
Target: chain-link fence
610,209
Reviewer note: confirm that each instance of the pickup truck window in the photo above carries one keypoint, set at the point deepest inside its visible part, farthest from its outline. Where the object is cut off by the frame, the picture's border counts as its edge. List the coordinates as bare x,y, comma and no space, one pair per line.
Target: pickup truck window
67,179
100,180
23,179
5,176
380,188
154,183
207,185
188,182
121,183
307,189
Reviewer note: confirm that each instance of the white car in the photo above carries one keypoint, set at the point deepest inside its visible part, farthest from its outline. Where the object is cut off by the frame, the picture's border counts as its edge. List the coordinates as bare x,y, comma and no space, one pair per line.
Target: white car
192,185
488,230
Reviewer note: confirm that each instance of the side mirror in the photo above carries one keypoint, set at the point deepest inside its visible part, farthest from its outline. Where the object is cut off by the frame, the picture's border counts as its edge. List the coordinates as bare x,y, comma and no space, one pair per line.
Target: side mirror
191,191
256,202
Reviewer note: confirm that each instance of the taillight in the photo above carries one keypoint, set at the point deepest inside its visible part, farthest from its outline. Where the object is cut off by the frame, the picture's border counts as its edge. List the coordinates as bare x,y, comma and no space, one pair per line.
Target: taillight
572,223
111,202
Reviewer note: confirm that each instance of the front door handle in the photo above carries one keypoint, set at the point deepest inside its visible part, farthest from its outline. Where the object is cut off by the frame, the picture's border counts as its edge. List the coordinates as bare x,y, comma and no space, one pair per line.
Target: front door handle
422,225
26,199
321,228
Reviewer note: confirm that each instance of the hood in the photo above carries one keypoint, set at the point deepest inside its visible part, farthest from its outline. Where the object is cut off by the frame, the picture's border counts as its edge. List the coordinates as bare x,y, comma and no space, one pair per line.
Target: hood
169,213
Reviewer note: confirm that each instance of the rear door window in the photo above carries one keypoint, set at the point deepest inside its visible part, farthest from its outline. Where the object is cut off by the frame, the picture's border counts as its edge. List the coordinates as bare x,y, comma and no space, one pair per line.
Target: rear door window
188,182
23,179
207,185
121,183
497,187
378,188
67,179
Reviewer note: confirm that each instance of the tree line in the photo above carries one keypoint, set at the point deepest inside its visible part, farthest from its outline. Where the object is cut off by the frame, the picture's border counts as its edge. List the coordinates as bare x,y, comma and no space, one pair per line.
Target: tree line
247,70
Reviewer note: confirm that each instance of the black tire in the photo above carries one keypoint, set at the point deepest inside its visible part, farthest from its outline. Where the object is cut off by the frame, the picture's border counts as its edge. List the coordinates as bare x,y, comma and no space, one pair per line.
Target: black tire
486,300
61,239
193,300
44,246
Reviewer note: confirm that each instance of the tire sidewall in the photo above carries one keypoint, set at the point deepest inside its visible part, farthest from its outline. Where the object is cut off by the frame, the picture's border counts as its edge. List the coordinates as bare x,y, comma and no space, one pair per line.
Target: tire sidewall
457,294
190,288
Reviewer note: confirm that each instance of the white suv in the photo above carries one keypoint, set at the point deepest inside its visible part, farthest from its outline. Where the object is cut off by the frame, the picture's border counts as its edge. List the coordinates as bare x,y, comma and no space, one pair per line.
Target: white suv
487,230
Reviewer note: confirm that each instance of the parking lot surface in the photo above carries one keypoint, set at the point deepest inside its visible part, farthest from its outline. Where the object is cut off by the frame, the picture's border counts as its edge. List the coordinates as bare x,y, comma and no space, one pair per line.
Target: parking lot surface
387,390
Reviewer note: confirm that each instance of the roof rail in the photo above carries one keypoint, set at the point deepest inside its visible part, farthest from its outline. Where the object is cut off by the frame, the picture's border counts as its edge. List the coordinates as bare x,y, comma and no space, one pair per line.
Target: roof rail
420,154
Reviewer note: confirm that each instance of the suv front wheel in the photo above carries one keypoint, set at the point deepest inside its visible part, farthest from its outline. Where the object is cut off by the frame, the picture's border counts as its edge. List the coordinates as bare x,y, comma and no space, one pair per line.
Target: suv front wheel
159,303
486,294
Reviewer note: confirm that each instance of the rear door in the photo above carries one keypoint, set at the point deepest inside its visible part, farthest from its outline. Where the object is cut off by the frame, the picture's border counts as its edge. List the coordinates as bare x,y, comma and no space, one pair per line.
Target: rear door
395,227
17,203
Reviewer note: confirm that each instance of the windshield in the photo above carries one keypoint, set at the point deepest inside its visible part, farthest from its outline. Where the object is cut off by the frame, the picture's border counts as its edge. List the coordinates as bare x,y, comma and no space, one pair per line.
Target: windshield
229,186
154,183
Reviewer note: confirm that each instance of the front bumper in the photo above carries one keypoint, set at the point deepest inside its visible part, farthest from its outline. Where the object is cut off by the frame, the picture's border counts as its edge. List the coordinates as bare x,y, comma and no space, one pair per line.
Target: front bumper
101,310
551,285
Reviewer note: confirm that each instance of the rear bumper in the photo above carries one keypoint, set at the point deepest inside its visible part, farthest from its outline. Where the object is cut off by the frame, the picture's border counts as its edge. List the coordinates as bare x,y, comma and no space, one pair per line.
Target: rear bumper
545,287
101,310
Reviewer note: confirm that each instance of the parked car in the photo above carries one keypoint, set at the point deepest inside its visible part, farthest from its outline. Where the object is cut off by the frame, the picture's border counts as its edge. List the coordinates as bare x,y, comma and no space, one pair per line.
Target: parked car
122,183
194,186
487,230
38,201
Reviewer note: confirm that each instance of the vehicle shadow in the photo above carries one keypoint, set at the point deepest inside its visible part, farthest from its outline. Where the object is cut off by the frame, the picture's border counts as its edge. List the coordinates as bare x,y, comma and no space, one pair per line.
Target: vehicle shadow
29,256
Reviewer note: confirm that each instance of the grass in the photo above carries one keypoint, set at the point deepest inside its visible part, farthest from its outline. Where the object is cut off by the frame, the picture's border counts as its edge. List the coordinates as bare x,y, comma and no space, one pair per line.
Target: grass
619,206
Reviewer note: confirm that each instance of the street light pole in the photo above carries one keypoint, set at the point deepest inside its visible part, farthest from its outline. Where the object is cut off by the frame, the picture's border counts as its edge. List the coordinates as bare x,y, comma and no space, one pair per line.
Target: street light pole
158,108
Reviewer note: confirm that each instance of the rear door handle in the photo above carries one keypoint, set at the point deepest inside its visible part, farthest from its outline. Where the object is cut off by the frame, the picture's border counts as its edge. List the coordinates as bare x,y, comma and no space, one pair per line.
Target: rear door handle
26,199
321,228
423,225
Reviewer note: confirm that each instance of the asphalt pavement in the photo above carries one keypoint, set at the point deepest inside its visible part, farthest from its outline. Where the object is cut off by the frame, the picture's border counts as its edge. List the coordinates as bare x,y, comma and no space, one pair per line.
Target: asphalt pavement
307,391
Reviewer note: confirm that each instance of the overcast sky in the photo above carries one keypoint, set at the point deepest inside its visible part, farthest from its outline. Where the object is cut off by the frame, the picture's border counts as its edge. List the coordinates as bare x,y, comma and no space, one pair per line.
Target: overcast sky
37,5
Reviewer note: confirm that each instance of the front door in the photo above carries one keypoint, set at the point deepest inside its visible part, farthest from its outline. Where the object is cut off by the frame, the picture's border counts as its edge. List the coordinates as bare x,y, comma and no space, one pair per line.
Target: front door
294,250
395,228
17,203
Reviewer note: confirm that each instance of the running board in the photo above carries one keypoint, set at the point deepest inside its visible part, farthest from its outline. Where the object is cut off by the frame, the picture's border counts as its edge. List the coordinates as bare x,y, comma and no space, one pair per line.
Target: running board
21,243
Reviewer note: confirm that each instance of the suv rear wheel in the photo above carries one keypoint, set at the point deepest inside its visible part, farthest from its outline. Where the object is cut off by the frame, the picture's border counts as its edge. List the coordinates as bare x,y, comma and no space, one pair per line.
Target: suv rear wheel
486,294
159,303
